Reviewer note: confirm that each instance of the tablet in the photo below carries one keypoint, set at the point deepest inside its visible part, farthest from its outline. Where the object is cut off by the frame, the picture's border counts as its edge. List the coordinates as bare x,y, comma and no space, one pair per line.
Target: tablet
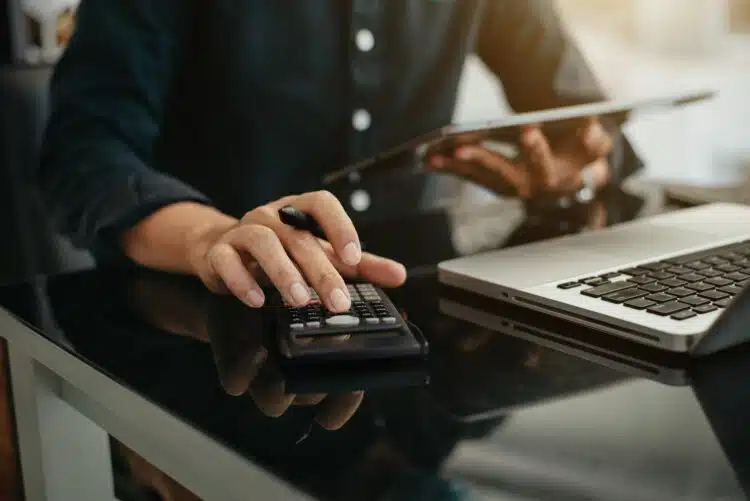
507,130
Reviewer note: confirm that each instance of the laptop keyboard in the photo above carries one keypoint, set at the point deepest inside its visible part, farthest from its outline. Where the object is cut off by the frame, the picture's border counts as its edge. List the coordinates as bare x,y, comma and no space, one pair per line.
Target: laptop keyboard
681,288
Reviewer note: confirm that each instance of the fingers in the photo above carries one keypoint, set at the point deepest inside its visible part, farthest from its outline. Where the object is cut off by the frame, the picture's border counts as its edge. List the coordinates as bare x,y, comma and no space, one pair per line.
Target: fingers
378,270
484,167
269,395
596,141
539,156
316,265
227,264
264,245
337,410
326,209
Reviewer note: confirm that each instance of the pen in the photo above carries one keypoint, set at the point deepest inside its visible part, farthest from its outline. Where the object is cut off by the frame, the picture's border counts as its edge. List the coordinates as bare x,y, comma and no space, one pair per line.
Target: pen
297,219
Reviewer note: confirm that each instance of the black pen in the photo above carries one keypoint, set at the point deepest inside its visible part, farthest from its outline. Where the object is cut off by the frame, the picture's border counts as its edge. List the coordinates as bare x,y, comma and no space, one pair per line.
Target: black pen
297,219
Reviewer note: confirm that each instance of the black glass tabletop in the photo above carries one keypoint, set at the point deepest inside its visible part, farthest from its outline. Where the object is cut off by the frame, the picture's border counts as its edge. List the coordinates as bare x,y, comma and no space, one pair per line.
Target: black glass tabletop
509,404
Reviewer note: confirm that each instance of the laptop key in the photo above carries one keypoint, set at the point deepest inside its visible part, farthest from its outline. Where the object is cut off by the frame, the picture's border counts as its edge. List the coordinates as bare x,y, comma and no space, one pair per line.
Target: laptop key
728,268
634,271
660,275
680,292
603,290
731,289
654,266
694,301
715,260
640,280
666,309
706,308
678,270
714,295
569,285
697,265
594,282
653,287
673,282
710,273
684,315
609,276
700,286
737,277
624,295
692,277
660,297
723,303
640,304
718,281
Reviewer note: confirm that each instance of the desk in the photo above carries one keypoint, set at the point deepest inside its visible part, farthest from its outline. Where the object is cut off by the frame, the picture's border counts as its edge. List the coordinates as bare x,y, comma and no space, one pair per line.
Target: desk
145,358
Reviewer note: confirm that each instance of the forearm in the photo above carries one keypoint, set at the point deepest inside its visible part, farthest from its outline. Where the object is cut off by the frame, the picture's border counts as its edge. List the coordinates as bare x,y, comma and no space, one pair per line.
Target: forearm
175,237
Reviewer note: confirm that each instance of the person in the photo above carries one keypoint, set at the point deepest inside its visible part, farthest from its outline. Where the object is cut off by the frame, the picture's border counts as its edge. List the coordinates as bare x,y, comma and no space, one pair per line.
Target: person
175,122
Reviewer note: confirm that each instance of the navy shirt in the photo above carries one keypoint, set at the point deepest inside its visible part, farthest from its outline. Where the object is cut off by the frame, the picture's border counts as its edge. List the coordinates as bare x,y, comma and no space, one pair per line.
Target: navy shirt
239,102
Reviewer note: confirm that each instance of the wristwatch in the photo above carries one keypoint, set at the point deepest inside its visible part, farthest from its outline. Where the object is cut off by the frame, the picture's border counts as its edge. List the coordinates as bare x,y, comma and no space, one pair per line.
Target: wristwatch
585,195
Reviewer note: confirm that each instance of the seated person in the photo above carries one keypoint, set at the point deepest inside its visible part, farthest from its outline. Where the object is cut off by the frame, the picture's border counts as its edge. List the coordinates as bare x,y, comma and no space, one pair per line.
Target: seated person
176,123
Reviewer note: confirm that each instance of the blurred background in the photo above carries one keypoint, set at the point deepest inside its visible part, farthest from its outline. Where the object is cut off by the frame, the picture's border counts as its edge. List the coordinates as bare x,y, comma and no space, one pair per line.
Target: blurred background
649,47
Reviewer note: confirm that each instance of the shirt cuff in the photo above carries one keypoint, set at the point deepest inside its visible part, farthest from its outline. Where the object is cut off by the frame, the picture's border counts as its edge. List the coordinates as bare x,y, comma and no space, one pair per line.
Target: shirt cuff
116,211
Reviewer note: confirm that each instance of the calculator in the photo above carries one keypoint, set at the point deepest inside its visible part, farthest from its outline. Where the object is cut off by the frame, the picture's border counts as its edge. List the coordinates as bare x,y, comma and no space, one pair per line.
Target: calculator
372,329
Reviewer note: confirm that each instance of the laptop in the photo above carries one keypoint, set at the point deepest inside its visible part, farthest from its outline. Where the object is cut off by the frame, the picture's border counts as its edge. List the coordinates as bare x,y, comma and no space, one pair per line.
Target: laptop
677,281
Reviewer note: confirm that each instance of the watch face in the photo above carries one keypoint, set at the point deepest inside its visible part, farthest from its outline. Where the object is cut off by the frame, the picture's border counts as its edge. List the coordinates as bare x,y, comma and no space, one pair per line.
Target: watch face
47,26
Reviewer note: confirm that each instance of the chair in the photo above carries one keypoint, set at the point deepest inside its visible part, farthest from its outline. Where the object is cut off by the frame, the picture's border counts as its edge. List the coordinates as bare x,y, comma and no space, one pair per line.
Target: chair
29,244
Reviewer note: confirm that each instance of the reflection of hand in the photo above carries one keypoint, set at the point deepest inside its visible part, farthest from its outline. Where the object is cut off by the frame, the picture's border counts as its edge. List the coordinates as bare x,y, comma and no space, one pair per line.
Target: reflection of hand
235,333
545,167
242,361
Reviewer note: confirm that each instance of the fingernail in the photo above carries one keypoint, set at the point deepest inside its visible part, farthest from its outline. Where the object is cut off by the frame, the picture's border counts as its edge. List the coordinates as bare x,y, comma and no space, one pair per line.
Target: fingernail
351,254
593,136
300,294
339,301
531,137
255,298
463,154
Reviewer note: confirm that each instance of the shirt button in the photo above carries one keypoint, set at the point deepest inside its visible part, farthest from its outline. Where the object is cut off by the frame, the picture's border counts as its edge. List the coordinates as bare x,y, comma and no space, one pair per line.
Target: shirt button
361,120
360,200
365,40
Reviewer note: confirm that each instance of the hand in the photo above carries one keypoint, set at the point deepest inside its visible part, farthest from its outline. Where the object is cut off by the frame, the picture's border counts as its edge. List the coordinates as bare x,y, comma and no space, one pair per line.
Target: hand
244,367
544,167
260,247
235,334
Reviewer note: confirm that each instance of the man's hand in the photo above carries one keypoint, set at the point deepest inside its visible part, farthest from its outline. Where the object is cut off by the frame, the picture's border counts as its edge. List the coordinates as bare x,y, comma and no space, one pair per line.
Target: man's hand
235,334
260,247
544,167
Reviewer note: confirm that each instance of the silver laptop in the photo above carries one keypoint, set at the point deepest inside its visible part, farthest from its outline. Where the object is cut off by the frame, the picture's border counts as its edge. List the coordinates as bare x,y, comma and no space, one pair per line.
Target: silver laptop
666,281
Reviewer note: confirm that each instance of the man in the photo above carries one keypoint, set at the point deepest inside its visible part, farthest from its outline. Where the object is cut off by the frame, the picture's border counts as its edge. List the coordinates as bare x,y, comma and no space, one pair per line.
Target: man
172,118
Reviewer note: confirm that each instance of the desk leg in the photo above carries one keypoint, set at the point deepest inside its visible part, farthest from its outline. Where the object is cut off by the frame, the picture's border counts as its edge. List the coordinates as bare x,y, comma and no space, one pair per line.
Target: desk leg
63,455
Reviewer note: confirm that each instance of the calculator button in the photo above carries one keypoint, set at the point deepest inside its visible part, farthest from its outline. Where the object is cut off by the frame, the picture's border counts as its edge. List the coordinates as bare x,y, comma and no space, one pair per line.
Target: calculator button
313,325
388,320
372,321
297,326
342,321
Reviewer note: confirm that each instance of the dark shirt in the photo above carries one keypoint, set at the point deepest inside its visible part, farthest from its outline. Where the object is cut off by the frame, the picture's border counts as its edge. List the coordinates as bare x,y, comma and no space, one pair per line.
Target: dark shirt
239,102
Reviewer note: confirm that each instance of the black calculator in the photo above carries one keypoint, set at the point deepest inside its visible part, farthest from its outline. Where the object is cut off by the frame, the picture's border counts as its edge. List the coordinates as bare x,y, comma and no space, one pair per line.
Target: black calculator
372,329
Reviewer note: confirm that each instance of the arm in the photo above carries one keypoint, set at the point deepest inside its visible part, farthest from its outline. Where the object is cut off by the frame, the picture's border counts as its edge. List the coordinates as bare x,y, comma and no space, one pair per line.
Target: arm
97,176
107,99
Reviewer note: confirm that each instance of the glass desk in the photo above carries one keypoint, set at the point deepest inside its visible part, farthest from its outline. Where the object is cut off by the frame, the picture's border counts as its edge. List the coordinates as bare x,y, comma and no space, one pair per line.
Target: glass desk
114,369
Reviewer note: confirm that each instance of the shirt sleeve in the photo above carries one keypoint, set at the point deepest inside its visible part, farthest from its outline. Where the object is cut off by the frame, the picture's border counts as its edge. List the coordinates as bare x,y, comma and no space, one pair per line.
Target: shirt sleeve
107,99
526,45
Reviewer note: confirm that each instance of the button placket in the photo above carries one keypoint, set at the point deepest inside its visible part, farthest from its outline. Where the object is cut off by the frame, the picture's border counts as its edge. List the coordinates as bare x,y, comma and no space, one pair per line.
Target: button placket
366,77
